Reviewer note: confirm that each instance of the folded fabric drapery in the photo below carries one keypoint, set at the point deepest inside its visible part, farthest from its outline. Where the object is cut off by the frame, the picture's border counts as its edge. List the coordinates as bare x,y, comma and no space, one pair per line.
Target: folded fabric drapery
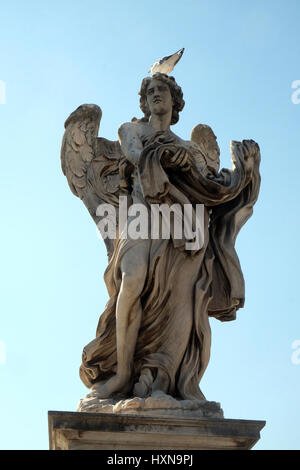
175,336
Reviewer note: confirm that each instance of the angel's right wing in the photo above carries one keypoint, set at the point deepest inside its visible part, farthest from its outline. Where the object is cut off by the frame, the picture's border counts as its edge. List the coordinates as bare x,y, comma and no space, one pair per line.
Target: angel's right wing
206,140
92,164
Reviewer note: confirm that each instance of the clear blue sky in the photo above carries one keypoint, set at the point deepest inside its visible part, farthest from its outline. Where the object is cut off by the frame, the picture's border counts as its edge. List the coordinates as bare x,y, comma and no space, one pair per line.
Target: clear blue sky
236,73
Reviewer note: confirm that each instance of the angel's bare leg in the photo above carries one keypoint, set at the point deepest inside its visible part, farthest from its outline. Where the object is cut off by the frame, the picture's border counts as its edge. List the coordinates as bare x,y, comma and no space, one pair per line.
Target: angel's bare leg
134,267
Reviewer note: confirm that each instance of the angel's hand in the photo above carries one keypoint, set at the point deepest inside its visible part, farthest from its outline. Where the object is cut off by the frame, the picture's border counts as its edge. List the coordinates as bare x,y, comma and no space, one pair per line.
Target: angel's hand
251,149
181,159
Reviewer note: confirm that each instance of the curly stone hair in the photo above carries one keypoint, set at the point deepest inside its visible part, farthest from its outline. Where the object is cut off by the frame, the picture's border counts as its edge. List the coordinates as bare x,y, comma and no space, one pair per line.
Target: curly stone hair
175,90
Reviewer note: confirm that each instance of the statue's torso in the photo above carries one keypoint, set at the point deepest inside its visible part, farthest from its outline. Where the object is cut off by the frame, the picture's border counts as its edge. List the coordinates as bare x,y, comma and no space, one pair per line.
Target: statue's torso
145,134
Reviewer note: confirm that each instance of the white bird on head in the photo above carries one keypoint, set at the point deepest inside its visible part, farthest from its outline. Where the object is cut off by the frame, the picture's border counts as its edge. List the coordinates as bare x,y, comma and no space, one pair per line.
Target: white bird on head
166,64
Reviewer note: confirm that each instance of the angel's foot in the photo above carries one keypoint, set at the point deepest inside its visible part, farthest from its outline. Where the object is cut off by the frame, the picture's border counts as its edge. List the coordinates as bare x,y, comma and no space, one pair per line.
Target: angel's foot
140,390
117,383
159,394
143,387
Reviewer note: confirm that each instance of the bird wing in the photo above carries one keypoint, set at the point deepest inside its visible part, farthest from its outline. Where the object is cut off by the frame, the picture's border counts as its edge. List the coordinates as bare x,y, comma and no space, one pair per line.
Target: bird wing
163,59
167,63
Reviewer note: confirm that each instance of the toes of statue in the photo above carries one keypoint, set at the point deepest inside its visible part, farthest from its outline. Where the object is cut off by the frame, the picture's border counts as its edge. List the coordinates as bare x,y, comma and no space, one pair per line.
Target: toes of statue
140,390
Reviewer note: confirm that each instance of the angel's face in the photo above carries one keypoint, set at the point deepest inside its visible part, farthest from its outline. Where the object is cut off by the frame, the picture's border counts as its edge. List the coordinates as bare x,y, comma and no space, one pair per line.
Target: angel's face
159,97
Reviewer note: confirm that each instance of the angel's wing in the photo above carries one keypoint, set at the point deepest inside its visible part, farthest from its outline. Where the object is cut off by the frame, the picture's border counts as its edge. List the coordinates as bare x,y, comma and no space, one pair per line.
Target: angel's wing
90,163
204,137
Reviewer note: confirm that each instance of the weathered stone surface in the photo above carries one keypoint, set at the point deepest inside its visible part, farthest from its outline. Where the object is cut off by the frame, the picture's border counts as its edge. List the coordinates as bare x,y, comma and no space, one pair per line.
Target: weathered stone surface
97,431
154,335
152,344
157,405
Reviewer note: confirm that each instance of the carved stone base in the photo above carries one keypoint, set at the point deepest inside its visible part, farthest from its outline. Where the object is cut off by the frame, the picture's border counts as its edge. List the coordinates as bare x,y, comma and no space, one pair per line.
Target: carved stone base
99,431
159,404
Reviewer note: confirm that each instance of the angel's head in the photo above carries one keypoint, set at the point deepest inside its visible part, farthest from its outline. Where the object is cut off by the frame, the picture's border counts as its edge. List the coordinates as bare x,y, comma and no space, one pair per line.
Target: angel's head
172,95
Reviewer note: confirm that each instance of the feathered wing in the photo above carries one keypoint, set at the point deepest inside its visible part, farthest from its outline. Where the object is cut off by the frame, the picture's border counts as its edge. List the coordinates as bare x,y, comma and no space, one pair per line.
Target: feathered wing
206,140
93,166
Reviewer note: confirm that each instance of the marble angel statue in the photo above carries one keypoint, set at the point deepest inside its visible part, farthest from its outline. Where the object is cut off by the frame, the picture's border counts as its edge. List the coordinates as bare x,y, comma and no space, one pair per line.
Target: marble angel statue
154,334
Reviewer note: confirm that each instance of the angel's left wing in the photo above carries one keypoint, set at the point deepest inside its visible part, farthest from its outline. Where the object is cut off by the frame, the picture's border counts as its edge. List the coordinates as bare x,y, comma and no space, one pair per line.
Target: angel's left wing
94,166
206,140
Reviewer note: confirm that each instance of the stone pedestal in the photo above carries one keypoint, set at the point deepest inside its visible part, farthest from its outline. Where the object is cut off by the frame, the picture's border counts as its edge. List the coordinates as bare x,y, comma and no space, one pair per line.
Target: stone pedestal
103,431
